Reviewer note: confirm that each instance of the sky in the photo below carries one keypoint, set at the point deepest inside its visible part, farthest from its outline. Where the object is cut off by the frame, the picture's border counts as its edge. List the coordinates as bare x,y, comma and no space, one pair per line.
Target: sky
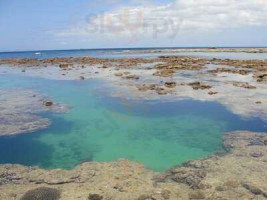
85,24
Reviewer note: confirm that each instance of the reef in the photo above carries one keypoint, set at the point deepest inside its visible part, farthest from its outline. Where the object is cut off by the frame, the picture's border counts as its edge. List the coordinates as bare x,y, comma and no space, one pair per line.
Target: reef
20,108
238,84
238,173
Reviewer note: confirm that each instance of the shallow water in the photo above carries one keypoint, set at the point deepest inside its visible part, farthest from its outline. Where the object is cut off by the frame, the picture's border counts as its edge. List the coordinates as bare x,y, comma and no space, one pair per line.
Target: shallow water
100,128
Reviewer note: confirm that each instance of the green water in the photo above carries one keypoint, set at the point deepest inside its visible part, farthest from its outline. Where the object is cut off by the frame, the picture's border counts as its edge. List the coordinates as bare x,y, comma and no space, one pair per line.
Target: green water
100,128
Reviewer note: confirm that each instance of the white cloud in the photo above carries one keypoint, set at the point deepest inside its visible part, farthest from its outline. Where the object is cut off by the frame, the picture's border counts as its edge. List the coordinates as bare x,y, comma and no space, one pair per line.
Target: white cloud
180,16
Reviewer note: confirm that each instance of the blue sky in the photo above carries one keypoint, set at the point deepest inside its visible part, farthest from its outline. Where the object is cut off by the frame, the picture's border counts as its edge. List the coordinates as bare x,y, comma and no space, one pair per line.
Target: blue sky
74,24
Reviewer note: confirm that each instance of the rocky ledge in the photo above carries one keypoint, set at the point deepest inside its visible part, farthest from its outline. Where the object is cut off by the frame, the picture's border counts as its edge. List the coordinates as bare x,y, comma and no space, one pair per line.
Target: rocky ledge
19,111
238,174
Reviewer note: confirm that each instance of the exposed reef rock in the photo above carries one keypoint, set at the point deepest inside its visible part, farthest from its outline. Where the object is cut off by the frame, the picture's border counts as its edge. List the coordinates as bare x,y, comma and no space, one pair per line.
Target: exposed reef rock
233,175
19,108
199,86
261,76
172,64
259,67
227,70
243,85
170,84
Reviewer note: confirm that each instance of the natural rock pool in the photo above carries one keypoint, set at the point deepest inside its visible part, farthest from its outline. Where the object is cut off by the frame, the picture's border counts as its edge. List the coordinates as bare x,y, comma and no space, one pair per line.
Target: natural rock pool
101,128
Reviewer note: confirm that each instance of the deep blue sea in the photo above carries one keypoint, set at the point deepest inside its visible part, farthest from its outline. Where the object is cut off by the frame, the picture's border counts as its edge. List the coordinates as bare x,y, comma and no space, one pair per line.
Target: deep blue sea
127,53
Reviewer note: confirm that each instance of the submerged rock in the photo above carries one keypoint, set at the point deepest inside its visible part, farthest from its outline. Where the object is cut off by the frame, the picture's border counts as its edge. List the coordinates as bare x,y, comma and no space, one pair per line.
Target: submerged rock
17,117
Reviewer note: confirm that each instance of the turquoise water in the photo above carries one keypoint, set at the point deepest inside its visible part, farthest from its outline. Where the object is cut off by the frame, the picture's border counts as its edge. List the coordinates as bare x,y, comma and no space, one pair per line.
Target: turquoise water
100,128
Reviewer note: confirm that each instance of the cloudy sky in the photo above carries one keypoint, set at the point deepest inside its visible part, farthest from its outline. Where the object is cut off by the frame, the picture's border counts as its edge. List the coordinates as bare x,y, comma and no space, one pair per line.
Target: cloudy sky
77,24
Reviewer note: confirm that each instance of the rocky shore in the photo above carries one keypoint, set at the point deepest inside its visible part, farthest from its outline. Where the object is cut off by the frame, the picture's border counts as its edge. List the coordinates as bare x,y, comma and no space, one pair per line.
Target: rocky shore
238,174
20,108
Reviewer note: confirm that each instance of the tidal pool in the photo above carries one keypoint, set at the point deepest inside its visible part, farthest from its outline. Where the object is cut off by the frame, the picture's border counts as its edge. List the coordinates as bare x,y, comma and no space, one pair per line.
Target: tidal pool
101,128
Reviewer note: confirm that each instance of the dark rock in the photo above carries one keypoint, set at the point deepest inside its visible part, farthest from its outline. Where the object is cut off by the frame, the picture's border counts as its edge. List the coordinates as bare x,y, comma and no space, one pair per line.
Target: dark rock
212,93
95,197
42,193
265,142
82,78
48,103
63,66
170,84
